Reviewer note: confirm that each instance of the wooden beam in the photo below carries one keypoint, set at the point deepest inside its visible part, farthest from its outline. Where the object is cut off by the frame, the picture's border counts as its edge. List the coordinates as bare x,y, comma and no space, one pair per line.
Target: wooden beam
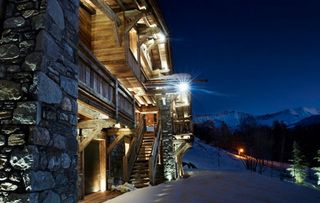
120,131
84,143
116,34
134,21
97,126
105,8
98,123
121,5
115,142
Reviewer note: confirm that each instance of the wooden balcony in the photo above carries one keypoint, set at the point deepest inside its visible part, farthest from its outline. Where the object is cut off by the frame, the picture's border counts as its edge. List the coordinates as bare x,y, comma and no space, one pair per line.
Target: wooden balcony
101,90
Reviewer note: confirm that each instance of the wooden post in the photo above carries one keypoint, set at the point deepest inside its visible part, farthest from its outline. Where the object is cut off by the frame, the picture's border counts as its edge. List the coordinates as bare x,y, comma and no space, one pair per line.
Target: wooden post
117,99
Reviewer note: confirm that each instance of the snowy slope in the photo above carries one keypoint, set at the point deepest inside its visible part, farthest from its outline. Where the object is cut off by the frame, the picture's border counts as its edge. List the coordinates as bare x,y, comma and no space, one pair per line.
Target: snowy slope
206,157
219,184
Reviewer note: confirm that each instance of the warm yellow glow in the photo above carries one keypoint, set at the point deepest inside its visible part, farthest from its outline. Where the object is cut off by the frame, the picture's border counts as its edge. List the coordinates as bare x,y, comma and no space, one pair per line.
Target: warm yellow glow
126,147
240,151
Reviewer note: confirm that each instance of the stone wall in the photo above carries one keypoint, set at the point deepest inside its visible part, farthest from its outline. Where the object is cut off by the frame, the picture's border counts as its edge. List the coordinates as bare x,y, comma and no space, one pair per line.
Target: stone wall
38,93
169,165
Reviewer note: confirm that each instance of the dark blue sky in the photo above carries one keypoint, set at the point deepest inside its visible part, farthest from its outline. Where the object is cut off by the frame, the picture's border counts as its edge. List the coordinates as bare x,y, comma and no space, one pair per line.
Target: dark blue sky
259,56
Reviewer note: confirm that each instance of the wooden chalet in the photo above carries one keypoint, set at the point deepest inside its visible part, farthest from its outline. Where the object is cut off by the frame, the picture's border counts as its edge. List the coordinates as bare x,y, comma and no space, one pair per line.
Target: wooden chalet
125,61
88,99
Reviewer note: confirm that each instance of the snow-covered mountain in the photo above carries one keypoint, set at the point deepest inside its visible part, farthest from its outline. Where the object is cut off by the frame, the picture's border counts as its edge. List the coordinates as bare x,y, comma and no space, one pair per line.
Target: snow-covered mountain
234,118
231,118
288,116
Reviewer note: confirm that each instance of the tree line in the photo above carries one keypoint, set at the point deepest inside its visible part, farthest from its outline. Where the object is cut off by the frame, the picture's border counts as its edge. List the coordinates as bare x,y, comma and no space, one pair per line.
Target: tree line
263,142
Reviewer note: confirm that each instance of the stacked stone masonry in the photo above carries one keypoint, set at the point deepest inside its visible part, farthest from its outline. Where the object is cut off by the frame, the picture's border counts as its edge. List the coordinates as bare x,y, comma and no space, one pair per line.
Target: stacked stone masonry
169,165
38,94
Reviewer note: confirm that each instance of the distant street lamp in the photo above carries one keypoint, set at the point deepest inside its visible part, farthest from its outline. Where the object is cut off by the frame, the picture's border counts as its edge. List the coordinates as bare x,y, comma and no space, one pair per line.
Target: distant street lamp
240,151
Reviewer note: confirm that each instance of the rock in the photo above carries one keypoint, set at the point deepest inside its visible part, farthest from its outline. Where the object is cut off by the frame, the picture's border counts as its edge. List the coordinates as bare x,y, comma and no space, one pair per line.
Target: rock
14,22
59,141
54,163
16,139
5,115
27,113
43,84
29,13
21,198
66,104
33,61
10,90
38,181
39,136
3,176
24,159
70,86
56,13
15,177
9,130
7,186
13,68
2,140
65,160
9,51
49,197
38,22
63,117
3,161
2,71
24,6
43,162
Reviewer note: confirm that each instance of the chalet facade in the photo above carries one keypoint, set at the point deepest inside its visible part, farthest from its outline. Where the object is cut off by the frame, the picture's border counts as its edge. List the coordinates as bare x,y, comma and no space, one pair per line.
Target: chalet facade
88,99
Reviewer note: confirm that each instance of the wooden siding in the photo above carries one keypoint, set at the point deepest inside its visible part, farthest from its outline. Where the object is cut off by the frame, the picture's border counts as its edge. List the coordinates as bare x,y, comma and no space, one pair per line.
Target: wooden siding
85,27
104,43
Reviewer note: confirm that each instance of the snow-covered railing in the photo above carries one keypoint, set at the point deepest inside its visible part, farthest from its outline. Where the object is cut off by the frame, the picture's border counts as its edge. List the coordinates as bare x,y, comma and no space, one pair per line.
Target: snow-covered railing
154,155
131,156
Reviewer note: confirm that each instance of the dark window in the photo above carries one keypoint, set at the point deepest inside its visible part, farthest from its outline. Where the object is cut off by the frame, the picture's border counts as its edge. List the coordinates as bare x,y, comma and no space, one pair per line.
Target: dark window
2,11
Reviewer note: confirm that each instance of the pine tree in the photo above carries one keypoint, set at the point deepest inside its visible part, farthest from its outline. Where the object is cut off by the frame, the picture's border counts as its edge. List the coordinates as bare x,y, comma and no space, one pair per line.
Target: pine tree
317,169
298,169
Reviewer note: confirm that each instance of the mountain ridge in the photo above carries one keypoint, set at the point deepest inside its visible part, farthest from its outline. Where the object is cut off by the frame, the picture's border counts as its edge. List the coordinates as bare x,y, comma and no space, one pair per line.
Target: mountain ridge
234,119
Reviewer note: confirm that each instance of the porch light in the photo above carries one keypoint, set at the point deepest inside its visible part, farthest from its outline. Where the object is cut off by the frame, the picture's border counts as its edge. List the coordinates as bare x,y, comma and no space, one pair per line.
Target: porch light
161,37
183,87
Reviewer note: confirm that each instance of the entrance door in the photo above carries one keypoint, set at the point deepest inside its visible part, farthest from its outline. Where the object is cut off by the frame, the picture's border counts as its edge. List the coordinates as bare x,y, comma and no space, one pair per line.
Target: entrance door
151,122
95,167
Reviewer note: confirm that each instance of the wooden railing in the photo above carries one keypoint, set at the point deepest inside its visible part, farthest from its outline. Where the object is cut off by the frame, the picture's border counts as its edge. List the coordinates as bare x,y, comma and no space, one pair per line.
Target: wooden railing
95,80
130,158
94,77
153,160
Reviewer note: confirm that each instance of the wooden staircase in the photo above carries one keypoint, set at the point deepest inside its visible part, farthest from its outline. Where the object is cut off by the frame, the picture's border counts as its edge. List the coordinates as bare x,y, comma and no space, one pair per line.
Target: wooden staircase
140,173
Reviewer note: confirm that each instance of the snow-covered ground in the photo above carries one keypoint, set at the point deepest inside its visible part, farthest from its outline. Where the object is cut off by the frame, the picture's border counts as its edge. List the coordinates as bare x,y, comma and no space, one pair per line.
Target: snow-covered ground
220,178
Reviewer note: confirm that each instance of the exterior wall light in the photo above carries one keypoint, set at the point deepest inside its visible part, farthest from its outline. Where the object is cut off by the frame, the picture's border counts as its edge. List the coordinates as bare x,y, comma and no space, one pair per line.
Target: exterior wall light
183,87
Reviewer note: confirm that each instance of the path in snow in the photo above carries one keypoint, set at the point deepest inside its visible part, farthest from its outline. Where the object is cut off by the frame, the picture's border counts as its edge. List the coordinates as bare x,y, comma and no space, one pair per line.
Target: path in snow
226,182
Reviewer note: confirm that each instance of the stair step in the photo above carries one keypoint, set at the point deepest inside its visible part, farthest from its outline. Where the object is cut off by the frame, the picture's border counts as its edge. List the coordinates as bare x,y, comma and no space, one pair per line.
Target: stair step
140,181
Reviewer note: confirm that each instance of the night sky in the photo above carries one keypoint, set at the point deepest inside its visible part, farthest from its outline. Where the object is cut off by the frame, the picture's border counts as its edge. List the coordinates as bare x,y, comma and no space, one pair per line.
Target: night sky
260,56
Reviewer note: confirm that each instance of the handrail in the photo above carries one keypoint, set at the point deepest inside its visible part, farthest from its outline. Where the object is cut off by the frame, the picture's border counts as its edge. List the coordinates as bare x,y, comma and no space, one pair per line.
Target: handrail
154,155
131,156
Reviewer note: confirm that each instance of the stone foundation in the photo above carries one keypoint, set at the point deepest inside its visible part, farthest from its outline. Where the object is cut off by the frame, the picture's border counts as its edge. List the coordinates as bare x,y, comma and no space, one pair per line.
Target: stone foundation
169,165
38,109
